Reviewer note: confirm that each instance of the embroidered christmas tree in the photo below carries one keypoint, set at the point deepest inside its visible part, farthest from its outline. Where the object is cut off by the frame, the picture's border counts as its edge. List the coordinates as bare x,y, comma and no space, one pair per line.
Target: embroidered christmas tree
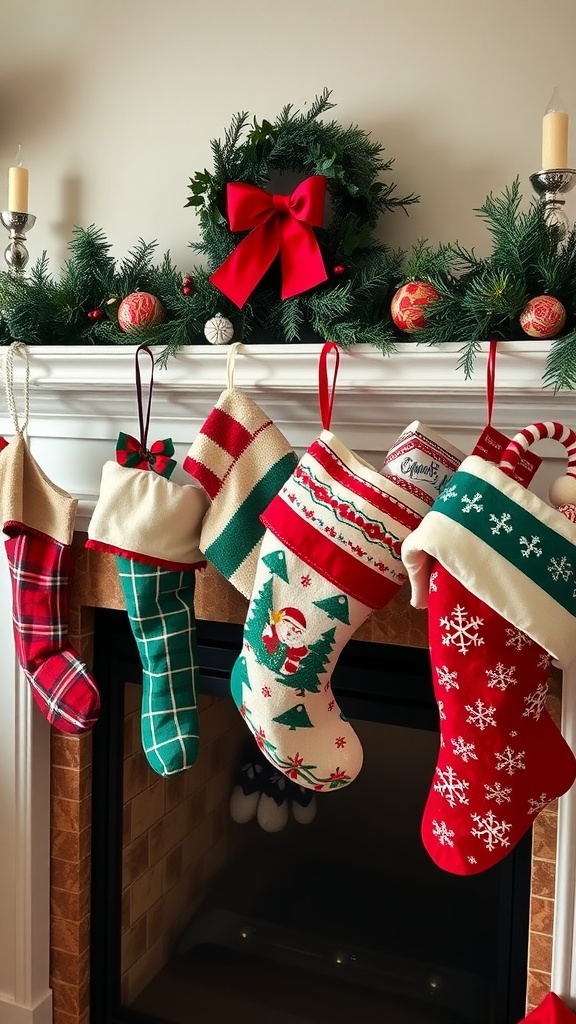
295,718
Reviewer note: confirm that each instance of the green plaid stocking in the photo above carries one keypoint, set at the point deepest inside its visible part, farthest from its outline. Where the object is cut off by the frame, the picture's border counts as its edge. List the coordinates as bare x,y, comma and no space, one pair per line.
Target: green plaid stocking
160,606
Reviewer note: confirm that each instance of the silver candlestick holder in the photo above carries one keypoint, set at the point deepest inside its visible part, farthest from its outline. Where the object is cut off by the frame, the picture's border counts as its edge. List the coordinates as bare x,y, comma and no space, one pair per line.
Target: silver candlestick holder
552,185
17,224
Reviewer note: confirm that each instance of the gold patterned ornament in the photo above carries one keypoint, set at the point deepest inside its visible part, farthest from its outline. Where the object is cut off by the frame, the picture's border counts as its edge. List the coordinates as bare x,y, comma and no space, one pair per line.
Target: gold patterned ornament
218,330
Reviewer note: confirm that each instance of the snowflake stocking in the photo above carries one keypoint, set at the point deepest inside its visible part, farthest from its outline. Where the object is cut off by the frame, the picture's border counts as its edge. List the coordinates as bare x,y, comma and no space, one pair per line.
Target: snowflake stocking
502,758
496,567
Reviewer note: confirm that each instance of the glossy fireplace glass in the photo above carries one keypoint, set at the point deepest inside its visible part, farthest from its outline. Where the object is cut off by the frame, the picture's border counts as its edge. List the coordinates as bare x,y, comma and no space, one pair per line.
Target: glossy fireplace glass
339,921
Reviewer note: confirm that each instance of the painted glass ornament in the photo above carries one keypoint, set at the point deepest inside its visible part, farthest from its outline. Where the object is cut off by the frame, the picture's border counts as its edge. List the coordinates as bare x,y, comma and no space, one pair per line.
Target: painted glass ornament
407,306
543,317
140,309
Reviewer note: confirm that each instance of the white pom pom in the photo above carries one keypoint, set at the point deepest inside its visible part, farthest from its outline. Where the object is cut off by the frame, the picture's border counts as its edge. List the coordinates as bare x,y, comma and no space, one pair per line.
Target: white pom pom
218,330
563,491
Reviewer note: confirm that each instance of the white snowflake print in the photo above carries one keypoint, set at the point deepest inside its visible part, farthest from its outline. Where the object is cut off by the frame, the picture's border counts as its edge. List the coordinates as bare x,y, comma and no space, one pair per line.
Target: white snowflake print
451,787
467,751
510,761
513,732
433,578
480,715
471,859
535,702
462,629
499,793
517,639
448,492
544,660
560,568
442,833
441,712
501,677
446,678
490,830
537,805
501,522
471,504
531,546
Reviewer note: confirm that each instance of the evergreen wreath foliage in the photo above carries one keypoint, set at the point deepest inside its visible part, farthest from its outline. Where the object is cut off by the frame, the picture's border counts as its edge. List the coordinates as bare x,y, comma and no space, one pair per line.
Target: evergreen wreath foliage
349,308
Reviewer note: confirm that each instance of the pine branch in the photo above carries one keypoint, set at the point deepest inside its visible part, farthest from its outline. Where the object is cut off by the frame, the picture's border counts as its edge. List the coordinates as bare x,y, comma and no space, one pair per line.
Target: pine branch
560,371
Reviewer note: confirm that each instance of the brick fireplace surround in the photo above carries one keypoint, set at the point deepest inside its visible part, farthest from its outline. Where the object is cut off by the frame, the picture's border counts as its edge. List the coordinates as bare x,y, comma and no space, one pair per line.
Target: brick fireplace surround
79,400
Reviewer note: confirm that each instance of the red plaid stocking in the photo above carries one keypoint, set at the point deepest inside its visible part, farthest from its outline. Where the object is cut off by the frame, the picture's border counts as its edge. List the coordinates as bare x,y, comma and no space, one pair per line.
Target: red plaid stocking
38,521
41,572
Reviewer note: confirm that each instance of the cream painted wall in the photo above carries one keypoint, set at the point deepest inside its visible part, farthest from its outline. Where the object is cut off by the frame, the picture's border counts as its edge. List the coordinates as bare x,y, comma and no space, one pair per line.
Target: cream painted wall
115,101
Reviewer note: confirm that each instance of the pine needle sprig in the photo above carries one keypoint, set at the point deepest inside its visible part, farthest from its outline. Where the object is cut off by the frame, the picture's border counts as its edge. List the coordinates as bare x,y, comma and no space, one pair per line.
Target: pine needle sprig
560,370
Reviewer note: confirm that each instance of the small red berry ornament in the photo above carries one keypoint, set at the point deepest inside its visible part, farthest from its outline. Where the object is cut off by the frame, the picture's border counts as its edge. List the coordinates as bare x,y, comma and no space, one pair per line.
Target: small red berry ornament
407,306
543,317
140,309
95,314
339,270
187,285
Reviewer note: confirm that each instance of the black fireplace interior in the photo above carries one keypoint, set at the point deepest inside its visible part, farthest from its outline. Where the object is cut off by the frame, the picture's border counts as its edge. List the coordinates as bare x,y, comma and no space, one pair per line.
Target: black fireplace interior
343,921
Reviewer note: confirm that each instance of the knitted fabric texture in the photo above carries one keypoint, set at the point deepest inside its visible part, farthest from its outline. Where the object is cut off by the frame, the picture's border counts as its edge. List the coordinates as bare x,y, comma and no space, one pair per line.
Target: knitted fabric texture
241,460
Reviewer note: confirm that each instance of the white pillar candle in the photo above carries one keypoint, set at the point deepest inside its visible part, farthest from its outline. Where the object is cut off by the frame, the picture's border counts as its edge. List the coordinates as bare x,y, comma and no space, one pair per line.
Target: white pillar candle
18,186
555,134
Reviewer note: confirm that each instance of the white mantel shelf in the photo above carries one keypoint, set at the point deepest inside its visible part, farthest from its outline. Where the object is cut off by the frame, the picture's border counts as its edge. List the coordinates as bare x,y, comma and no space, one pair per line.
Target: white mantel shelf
80,398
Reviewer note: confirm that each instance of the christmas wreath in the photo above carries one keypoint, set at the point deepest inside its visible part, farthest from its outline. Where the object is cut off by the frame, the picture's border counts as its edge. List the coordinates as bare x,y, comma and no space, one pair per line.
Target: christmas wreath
332,278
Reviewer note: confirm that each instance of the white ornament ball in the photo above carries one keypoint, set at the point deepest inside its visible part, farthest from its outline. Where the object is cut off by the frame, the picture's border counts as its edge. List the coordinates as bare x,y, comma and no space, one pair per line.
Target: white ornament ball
562,491
218,330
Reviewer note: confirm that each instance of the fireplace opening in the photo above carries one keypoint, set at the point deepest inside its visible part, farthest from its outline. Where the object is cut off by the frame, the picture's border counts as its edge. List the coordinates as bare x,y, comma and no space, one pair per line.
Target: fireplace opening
341,920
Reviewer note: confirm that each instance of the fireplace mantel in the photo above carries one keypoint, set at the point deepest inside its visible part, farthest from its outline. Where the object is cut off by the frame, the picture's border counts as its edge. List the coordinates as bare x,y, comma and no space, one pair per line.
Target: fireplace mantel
80,397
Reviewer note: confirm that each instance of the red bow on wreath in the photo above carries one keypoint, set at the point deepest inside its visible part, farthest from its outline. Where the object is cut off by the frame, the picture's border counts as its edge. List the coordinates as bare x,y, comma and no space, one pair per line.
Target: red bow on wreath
131,453
277,224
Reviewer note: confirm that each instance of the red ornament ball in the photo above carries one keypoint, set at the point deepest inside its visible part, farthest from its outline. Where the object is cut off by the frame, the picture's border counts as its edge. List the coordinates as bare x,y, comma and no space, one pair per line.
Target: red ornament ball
140,309
407,306
95,314
543,317
339,269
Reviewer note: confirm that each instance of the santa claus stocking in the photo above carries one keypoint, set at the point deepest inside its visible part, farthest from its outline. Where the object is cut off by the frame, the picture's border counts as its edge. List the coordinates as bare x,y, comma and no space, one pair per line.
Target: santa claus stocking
38,520
153,527
496,567
330,555
241,460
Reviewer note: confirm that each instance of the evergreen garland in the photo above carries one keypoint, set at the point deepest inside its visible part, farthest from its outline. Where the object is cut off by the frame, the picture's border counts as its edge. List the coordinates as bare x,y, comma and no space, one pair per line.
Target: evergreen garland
480,298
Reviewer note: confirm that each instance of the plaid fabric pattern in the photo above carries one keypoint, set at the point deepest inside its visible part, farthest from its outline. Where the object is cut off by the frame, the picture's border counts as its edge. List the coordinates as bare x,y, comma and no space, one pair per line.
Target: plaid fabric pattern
41,573
160,606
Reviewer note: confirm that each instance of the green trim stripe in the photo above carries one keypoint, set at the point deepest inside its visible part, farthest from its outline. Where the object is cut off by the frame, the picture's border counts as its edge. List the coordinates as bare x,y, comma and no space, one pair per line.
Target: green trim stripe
244,530
520,538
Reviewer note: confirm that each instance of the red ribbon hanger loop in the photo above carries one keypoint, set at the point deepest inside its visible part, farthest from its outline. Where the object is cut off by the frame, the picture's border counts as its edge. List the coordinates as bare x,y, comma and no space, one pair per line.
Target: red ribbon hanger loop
491,378
326,393
278,224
